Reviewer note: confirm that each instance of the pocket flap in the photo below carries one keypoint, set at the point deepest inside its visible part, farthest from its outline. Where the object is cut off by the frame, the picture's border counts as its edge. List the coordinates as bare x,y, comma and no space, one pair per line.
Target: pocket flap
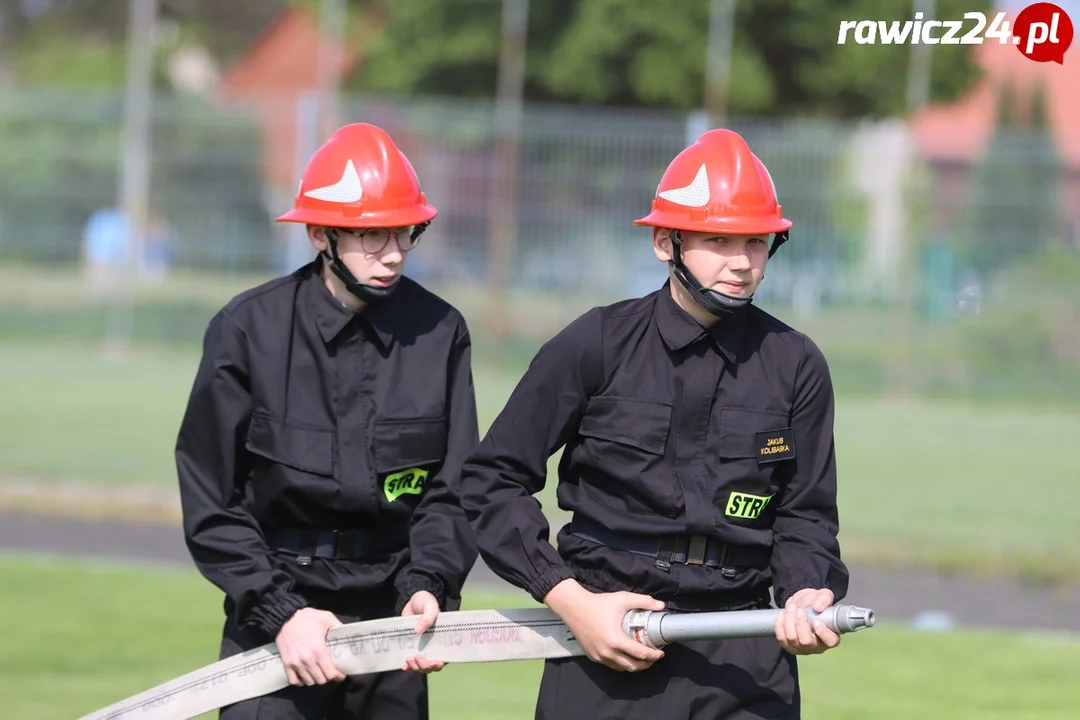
401,444
744,432
304,448
640,423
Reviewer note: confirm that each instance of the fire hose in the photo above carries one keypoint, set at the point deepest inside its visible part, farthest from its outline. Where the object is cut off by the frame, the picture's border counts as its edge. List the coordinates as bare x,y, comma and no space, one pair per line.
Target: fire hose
471,636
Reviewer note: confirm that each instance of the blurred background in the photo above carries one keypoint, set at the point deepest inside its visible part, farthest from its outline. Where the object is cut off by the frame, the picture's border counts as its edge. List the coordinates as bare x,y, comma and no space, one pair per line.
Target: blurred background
146,147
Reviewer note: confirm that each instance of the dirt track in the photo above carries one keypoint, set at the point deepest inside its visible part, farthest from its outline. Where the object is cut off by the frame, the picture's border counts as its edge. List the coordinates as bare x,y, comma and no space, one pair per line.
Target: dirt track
894,595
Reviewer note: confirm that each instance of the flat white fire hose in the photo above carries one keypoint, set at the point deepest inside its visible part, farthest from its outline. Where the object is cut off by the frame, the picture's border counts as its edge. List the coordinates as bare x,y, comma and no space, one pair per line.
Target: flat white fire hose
470,636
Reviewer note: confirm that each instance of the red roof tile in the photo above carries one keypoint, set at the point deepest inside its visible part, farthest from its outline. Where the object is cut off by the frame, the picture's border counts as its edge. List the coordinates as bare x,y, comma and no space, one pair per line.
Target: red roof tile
960,130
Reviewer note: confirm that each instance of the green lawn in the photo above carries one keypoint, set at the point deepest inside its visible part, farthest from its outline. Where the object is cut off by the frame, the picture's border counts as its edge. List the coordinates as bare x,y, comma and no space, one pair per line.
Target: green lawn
965,485
117,419
80,636
949,484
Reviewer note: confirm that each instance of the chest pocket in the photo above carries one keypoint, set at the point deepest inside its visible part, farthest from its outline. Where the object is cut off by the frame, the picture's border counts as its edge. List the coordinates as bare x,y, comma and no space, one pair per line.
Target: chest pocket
300,447
641,424
763,435
624,441
405,453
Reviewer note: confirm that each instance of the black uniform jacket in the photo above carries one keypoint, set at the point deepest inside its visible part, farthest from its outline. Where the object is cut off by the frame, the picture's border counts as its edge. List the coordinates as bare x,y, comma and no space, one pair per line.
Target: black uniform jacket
667,429
306,416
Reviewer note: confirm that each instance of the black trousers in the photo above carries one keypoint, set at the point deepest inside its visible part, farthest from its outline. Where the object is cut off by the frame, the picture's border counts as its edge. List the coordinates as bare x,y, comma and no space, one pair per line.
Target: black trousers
391,696
737,679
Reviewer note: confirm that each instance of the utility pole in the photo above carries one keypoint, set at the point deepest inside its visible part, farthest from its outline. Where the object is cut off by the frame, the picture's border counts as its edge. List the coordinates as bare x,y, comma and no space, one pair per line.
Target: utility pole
918,80
918,94
508,111
718,60
332,37
134,189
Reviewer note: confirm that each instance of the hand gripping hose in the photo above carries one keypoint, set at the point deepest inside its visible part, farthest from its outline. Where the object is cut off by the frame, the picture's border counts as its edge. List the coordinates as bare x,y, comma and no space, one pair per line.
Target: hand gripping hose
471,636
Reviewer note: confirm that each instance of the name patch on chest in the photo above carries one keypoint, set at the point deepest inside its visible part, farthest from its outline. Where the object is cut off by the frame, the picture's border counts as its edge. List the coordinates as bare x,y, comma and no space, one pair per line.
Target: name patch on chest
775,445
406,482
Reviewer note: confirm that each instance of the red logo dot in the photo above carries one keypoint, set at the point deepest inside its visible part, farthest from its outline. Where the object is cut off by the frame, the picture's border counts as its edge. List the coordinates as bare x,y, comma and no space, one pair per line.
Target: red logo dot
1043,32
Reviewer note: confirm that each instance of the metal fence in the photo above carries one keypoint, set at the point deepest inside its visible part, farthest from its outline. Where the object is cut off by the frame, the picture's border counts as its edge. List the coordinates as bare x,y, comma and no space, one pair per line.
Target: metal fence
914,275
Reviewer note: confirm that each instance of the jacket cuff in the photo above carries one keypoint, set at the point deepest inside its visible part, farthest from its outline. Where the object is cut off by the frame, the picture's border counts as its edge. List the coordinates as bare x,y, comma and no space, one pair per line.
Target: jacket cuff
418,582
782,592
274,611
540,585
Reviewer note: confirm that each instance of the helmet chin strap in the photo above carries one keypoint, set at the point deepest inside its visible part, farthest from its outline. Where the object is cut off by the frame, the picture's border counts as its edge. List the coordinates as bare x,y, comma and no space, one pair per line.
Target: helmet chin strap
366,293
713,302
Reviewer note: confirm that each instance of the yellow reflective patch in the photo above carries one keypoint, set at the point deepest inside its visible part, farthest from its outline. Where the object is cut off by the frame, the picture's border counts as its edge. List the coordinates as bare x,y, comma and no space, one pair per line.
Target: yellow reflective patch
745,505
405,482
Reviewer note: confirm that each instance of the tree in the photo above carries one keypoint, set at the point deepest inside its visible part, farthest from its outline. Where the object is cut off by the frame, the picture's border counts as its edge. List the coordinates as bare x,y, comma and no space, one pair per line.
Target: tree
785,58
1043,171
785,61
1016,195
82,43
442,47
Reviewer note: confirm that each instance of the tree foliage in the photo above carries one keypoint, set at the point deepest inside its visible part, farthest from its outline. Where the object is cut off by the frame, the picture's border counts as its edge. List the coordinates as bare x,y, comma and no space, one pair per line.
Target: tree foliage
82,43
785,58
1015,209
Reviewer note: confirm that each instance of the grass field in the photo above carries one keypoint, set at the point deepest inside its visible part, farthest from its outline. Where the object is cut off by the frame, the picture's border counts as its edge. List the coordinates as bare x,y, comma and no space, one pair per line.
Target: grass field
80,636
958,486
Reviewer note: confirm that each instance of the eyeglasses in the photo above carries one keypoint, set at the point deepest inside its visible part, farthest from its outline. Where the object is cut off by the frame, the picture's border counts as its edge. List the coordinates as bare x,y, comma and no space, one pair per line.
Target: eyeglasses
375,239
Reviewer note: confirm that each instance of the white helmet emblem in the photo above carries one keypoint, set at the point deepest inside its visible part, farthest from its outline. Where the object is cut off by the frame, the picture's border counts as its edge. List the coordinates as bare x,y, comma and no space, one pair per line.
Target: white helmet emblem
696,194
345,190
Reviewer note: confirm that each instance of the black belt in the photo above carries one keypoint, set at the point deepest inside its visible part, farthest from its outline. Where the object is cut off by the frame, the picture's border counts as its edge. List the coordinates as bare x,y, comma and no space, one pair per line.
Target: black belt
667,549
337,544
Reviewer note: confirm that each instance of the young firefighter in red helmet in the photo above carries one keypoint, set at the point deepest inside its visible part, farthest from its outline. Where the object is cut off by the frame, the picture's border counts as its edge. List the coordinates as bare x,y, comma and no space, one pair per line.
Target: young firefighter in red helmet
697,436
329,417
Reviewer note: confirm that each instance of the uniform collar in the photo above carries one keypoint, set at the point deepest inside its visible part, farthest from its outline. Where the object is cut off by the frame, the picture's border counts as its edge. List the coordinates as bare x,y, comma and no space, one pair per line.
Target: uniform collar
331,317
679,329
383,316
